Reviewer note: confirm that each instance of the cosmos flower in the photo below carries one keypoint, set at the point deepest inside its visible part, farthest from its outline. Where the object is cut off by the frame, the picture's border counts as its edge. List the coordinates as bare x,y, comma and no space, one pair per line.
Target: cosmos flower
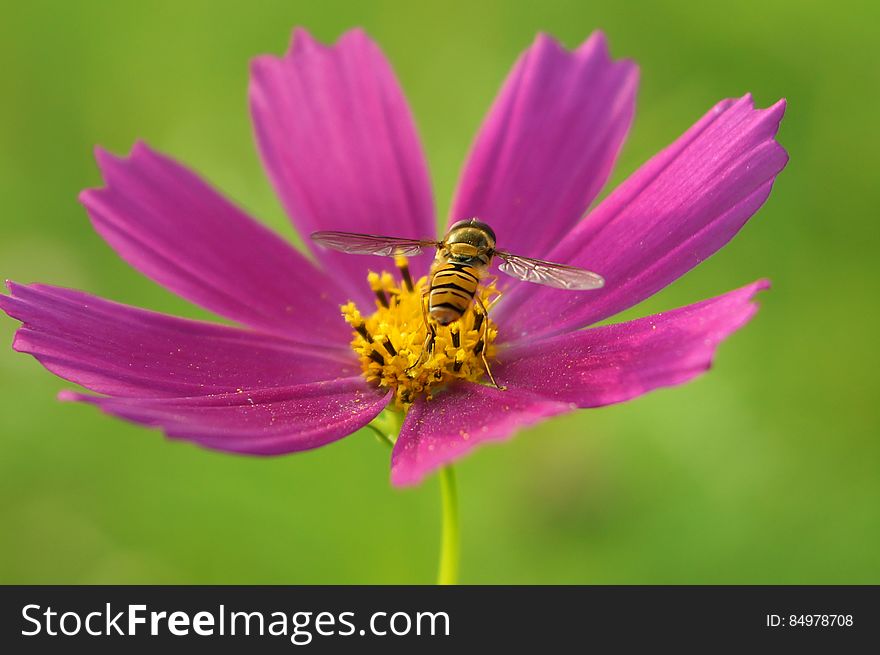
339,144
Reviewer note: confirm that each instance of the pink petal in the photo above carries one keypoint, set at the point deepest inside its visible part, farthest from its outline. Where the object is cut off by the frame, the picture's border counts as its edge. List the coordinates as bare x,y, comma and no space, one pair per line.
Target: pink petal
441,430
548,143
340,146
171,226
260,422
674,212
121,350
614,363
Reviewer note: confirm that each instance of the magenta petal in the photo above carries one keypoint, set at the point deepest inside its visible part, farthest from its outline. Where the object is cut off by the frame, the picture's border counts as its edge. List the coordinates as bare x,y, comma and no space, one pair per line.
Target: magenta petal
614,363
340,146
170,225
439,431
548,143
259,422
674,212
121,350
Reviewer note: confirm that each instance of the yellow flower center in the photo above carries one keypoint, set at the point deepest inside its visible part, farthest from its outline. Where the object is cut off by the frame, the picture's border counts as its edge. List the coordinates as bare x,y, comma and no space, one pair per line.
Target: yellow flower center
393,347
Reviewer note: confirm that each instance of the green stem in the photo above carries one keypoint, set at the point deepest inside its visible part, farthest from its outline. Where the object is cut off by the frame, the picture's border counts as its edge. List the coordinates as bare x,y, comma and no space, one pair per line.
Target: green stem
381,436
450,536
386,426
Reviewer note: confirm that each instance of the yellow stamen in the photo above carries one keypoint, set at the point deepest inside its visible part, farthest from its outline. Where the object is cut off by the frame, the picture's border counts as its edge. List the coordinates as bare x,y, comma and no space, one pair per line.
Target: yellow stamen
389,343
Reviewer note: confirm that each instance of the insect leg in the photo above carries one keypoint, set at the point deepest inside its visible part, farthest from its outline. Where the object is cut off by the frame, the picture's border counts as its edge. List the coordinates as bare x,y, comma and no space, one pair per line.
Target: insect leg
429,334
480,348
493,279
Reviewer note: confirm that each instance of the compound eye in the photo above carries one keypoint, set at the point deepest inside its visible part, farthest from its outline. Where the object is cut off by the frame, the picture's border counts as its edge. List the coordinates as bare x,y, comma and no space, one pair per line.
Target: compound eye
477,224
459,224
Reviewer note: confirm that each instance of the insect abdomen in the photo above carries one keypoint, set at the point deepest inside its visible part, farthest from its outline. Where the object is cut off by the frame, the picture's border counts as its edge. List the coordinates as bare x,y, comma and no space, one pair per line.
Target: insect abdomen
453,286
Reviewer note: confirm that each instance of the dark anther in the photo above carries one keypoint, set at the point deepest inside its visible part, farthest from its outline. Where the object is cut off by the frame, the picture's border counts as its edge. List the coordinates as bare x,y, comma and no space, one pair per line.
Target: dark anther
407,278
479,347
457,366
377,357
382,298
478,321
362,330
456,339
389,347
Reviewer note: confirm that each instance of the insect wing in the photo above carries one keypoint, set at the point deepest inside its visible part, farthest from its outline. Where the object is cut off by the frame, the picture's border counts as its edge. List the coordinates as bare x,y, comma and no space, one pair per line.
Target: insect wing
559,276
371,244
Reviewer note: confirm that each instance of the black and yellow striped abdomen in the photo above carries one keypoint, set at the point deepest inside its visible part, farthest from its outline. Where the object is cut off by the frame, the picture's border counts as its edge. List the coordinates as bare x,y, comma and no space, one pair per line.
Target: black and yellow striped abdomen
453,285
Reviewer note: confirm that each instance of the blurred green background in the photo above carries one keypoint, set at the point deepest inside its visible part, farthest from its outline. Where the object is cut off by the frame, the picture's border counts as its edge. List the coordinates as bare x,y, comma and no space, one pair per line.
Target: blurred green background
764,471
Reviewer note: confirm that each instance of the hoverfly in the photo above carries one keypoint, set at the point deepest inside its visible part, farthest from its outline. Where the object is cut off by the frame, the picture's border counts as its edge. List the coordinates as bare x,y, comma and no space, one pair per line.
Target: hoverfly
462,261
